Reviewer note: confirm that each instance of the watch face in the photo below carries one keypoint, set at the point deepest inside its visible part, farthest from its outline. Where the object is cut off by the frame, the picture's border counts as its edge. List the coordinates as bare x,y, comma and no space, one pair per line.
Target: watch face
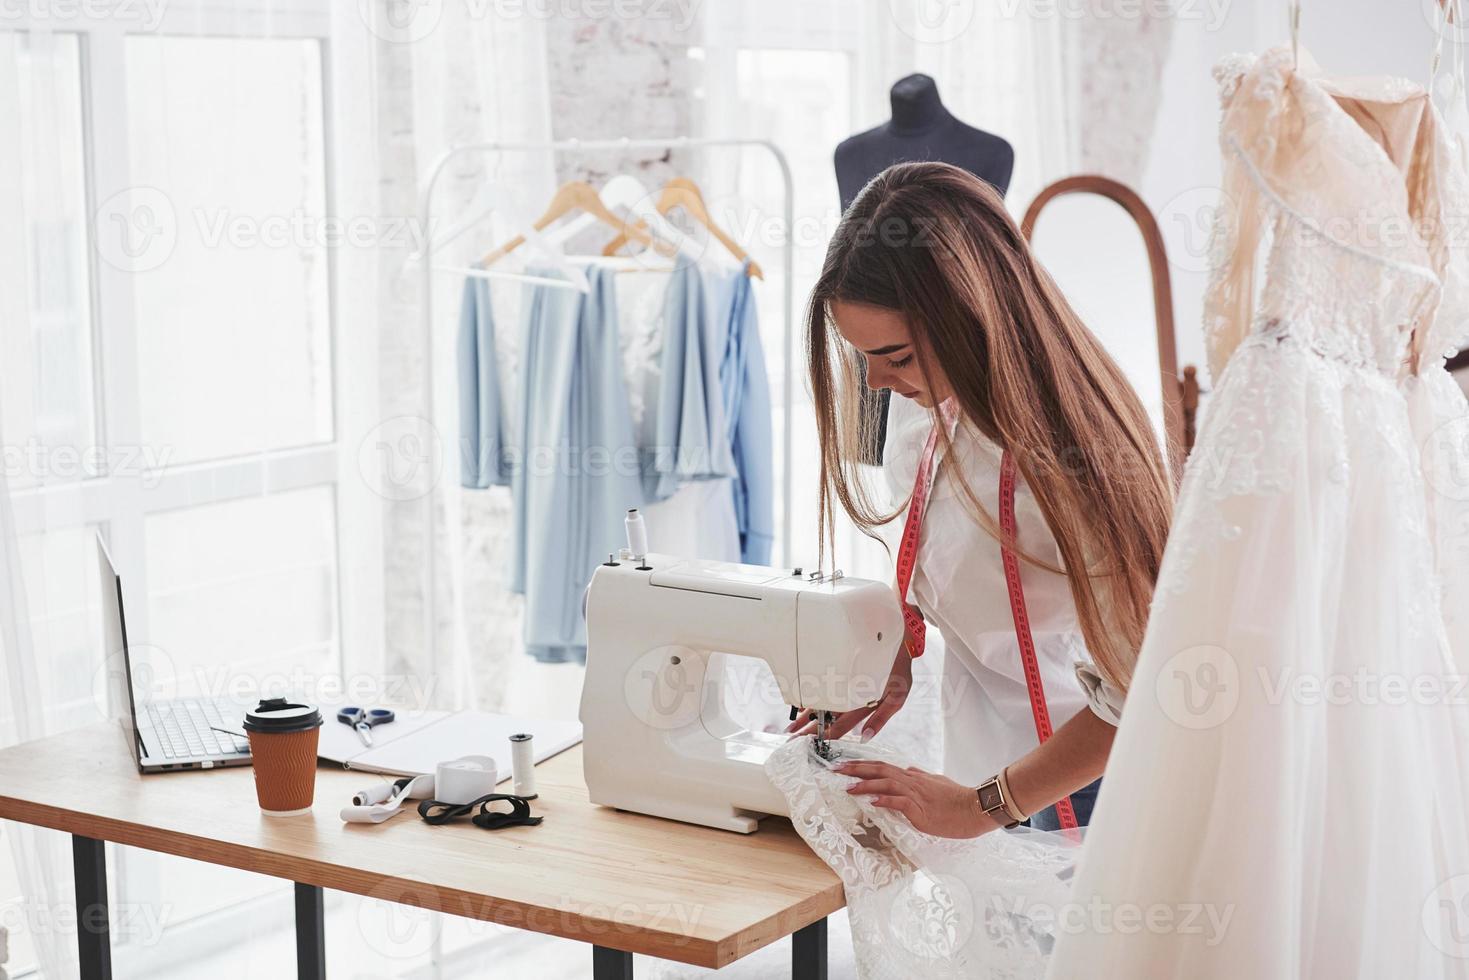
990,797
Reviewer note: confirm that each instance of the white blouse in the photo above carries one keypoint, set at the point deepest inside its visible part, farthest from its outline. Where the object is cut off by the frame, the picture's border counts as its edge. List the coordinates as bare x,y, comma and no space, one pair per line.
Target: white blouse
959,585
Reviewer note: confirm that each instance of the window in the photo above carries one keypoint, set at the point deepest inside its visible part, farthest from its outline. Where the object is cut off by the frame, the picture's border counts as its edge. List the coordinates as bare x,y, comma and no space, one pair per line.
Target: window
259,605
230,291
167,375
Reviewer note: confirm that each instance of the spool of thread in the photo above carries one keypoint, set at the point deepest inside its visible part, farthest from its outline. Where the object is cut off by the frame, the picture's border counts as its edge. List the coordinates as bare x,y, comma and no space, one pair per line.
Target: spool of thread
523,765
465,780
637,536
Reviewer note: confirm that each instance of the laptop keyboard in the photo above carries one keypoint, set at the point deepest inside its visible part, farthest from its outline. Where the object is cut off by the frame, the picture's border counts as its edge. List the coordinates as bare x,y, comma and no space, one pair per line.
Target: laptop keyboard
183,729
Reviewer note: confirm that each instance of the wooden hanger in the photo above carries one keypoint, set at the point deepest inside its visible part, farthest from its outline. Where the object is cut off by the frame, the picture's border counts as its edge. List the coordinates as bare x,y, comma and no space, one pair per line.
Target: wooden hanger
578,195
681,192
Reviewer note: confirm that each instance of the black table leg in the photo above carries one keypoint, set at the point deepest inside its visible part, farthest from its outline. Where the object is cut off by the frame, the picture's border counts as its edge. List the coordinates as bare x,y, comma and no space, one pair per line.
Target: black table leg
94,944
310,933
611,964
808,952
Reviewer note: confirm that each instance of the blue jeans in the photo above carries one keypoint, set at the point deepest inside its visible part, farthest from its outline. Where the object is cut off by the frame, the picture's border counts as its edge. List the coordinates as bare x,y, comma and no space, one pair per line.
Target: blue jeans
1082,802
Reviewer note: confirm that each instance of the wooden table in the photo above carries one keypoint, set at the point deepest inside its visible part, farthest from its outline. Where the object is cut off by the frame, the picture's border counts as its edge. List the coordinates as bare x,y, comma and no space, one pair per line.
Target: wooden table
623,882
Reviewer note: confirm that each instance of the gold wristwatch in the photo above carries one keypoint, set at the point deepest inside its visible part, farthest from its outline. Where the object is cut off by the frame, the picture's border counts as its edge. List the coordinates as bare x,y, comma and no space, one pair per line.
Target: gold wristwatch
996,802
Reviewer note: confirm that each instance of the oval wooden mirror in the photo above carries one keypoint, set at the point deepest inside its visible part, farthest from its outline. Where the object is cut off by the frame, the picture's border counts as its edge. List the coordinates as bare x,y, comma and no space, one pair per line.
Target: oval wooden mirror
1102,245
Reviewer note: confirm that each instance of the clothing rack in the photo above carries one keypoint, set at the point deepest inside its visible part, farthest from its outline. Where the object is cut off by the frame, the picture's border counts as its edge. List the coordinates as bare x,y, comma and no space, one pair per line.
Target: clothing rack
426,273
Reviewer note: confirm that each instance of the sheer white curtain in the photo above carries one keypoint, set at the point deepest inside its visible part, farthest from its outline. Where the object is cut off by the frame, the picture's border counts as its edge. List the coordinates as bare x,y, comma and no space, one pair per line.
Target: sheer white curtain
41,858
441,75
38,204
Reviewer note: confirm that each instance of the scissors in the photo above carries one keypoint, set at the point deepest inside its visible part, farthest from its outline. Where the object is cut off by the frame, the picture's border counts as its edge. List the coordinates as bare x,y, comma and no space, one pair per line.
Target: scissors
363,719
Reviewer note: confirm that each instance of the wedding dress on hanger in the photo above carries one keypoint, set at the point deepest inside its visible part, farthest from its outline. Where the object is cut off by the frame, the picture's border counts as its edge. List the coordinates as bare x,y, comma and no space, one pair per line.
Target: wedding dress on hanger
1294,749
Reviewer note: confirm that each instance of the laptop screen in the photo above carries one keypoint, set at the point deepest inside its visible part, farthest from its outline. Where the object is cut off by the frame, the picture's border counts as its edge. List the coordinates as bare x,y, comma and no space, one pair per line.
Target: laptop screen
120,706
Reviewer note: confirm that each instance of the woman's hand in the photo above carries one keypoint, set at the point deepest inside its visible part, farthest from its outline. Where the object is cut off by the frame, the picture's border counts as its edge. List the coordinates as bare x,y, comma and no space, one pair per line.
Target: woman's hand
932,803
895,692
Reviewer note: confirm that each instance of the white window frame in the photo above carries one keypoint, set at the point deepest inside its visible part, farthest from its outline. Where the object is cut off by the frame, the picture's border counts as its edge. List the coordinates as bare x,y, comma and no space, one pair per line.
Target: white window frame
120,503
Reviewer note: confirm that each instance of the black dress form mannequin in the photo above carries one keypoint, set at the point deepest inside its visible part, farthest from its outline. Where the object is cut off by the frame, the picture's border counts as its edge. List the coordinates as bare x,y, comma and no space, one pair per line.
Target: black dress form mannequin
921,129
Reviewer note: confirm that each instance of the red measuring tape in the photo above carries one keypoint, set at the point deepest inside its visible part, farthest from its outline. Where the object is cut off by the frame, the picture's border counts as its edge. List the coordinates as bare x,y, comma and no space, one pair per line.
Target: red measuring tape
908,559
908,546
1023,636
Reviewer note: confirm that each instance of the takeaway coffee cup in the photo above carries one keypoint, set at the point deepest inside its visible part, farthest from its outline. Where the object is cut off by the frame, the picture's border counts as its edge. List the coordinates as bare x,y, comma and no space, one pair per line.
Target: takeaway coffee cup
283,739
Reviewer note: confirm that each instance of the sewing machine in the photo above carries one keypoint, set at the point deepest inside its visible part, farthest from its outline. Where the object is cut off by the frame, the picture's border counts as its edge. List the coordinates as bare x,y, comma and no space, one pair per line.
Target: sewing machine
658,738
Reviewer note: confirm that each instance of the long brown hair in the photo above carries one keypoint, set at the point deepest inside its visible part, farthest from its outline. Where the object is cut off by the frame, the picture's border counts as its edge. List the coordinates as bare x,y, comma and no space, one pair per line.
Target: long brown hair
936,244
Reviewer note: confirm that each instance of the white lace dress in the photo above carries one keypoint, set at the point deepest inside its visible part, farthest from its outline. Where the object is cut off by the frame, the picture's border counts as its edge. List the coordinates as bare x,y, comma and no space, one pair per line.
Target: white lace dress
1286,795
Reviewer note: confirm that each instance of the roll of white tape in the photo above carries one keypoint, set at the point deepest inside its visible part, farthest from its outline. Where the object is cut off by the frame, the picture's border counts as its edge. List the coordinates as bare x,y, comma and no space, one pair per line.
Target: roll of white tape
419,788
465,780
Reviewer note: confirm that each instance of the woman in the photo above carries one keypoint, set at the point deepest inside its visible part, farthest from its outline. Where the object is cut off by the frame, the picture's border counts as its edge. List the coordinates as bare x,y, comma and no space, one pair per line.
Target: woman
931,287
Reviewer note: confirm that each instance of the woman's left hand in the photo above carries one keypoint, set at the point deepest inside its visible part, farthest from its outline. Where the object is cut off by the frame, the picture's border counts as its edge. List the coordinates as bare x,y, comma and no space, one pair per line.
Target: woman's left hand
932,803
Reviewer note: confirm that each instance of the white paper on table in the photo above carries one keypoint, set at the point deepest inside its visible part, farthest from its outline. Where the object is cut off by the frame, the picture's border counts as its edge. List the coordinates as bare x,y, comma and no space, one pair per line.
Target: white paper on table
417,741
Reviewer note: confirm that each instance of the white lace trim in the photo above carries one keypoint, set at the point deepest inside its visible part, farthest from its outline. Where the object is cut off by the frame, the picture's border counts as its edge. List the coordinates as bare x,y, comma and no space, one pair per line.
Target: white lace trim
1273,331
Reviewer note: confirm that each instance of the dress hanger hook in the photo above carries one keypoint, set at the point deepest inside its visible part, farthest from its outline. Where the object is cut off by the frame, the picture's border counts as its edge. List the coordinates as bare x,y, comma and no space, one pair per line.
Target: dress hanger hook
1295,33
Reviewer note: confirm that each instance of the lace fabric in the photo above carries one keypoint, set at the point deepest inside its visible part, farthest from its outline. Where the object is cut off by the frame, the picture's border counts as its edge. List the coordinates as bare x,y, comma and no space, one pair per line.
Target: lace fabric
1307,185
921,905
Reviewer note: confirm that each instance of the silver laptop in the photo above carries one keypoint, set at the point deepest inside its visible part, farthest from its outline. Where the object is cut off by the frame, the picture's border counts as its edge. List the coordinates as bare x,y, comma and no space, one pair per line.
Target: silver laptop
177,733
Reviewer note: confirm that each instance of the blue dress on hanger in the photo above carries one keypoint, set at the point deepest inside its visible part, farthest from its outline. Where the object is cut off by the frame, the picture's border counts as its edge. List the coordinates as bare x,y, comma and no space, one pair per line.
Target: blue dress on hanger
482,425
746,389
576,471
573,461
691,440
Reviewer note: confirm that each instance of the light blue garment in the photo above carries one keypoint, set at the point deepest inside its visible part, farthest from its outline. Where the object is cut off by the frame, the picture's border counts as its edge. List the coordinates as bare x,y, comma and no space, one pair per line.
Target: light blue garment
572,463
572,459
482,424
576,470
690,436
746,389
